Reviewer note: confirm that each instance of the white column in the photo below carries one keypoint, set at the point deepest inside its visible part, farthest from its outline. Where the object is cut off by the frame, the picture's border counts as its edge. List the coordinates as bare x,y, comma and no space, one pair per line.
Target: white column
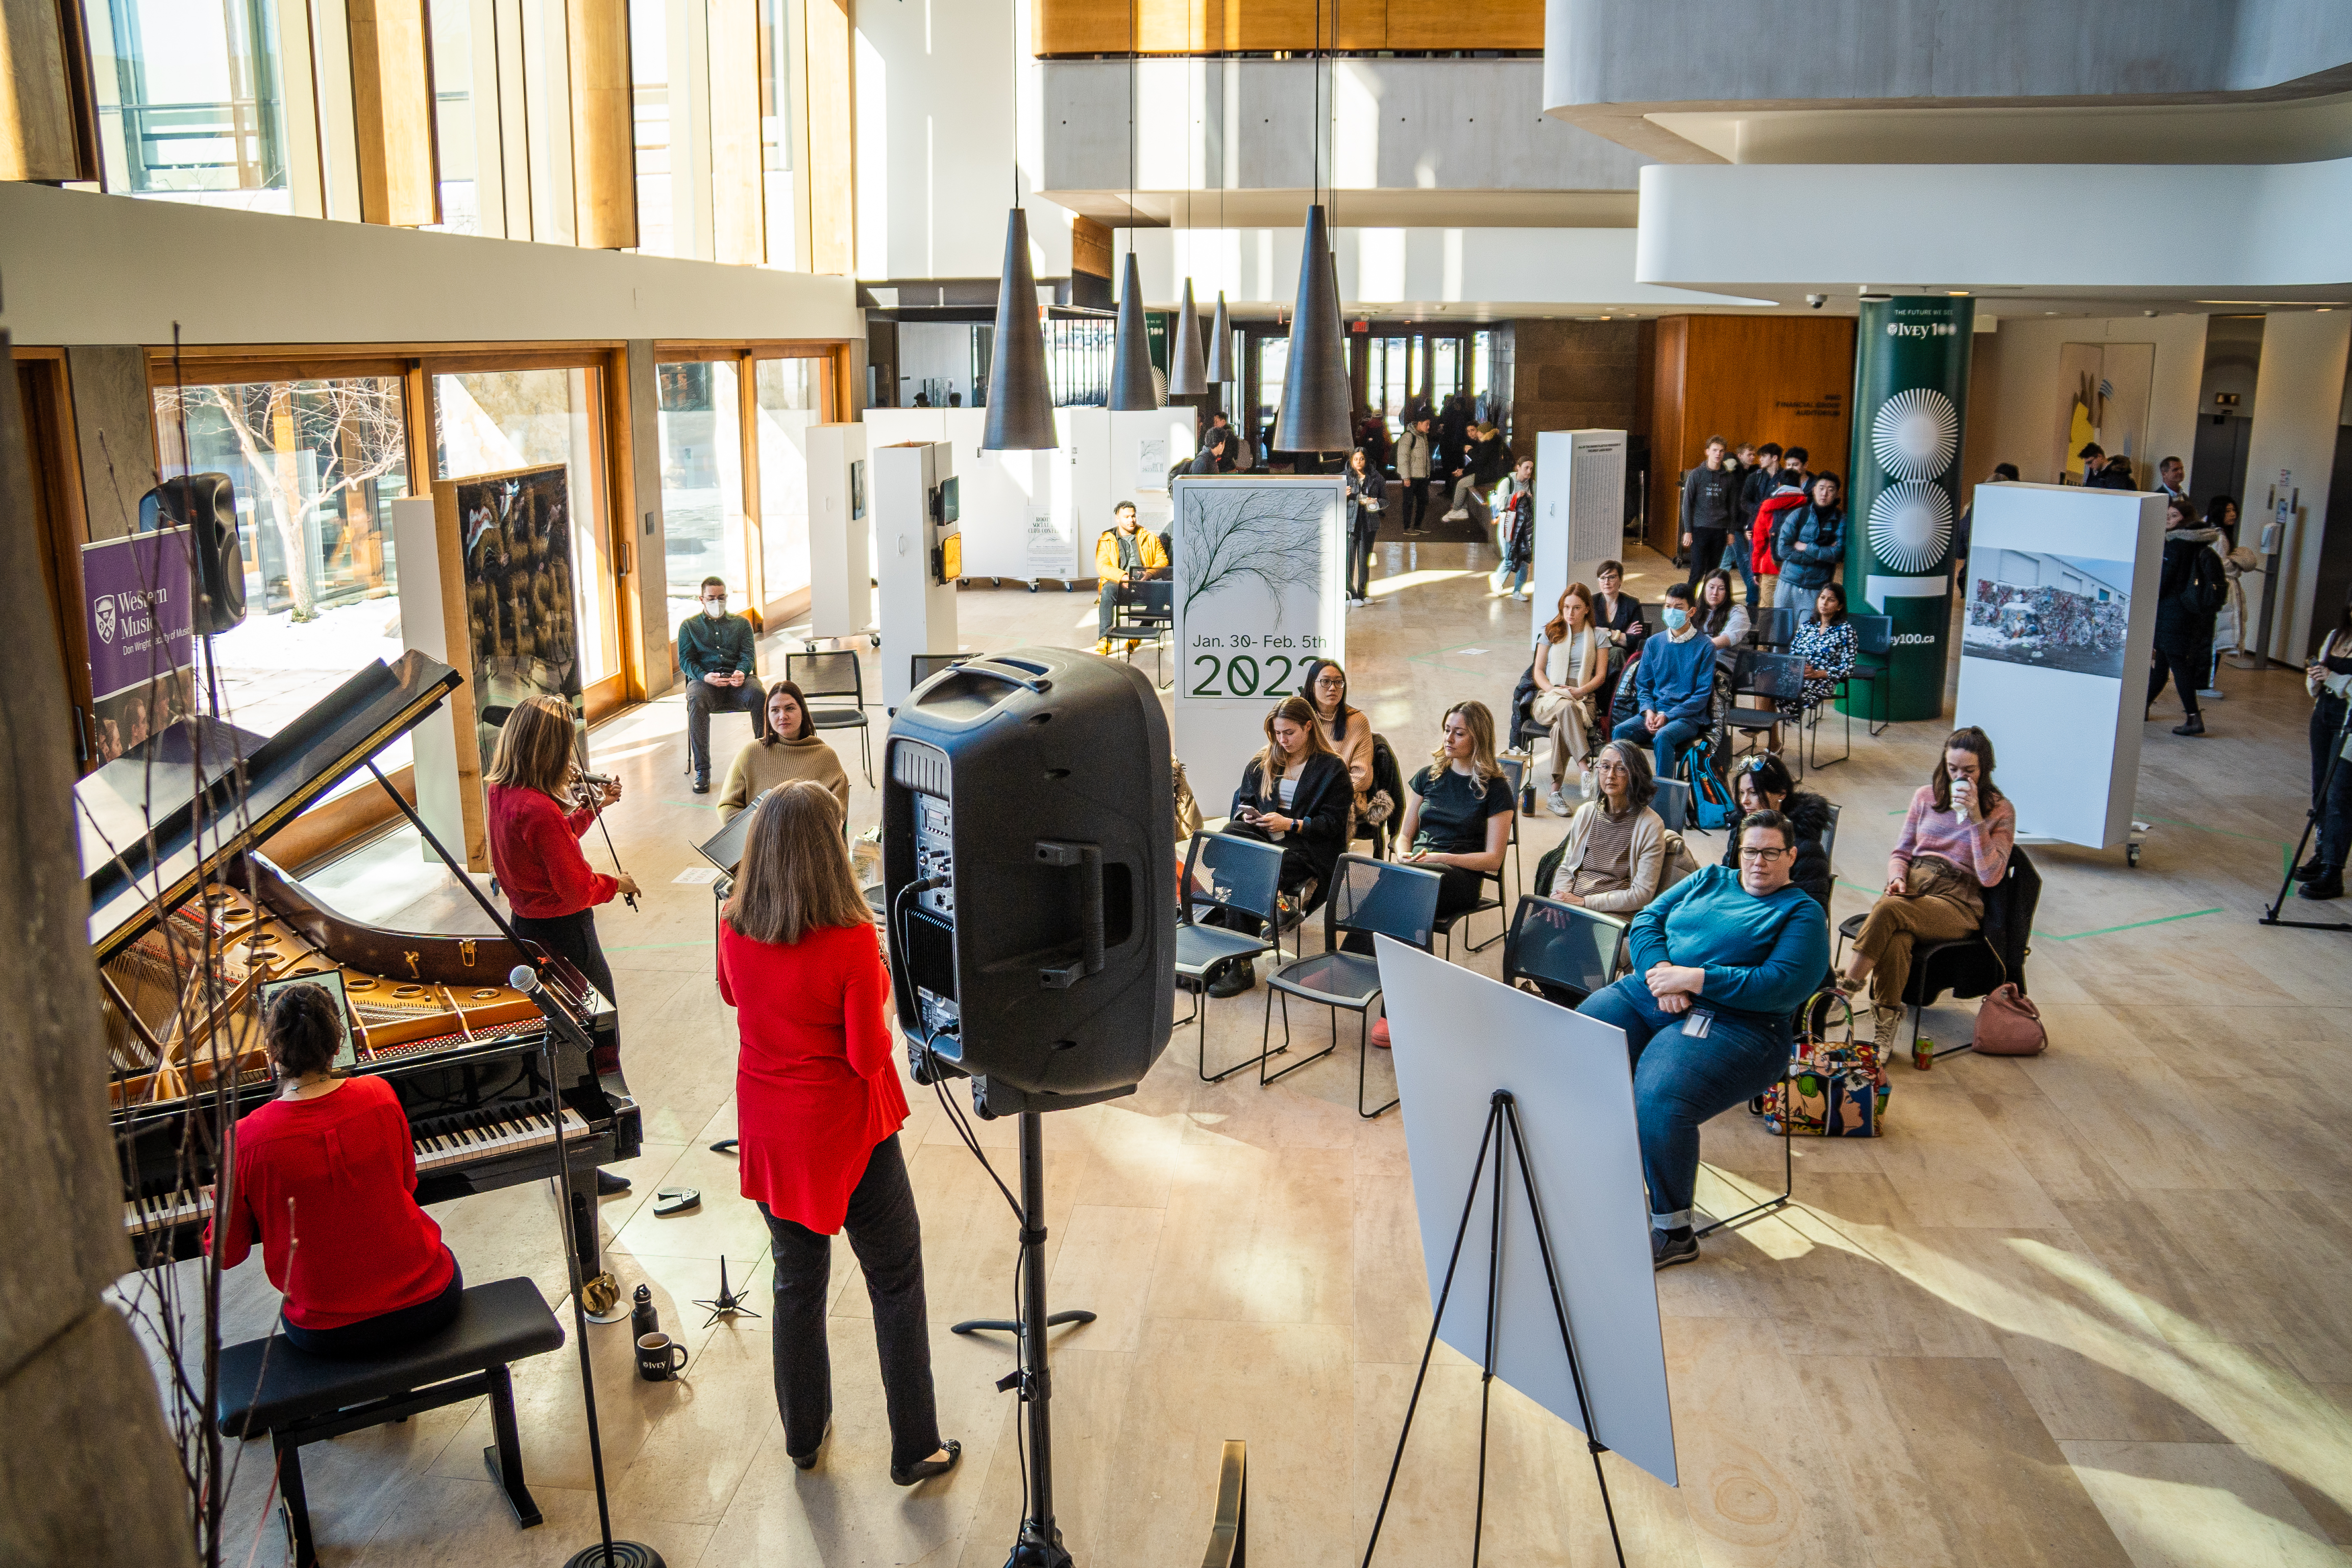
2298,405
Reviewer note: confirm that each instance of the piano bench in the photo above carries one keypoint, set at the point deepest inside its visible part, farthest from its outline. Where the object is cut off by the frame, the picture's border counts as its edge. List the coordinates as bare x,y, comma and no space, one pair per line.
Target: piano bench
267,1385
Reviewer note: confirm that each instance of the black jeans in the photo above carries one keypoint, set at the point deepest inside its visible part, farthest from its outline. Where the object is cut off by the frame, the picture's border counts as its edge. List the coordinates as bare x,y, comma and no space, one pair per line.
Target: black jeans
572,937
2336,808
1416,502
385,1331
702,700
1705,552
887,1237
1361,536
2187,670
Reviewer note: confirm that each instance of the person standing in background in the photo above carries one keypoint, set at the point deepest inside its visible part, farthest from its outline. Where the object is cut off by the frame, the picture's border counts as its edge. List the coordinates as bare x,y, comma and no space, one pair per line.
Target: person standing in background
1792,468
715,655
2172,478
1365,488
1811,543
1412,463
1710,497
1755,489
1787,496
2190,590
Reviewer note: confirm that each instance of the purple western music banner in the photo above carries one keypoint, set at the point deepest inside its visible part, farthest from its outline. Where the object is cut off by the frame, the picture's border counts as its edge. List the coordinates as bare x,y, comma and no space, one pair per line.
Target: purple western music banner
141,608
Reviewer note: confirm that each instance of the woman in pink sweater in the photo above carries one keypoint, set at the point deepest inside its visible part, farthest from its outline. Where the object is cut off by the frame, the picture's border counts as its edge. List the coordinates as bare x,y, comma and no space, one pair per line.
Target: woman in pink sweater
1955,843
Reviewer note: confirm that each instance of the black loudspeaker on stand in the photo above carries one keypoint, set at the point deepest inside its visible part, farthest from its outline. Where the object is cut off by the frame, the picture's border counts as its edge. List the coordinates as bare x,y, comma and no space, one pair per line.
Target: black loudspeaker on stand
1502,1119
2269,917
1033,942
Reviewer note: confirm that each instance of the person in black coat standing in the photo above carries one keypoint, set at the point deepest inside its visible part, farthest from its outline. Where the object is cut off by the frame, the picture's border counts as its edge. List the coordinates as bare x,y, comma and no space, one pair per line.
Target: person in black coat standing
2189,594
1365,487
1296,794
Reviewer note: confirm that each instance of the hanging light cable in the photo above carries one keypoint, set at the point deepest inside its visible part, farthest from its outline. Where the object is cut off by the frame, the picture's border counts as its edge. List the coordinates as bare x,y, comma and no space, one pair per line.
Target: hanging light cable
1220,330
1316,415
1020,398
1187,372
1131,387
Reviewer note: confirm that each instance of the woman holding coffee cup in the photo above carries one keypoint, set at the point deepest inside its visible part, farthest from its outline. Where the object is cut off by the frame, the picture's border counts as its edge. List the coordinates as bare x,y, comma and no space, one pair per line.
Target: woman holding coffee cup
818,1108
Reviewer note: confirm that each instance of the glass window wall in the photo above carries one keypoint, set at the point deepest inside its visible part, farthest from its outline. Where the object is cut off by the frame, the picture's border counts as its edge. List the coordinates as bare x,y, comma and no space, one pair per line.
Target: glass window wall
791,394
776,134
497,421
191,101
452,114
315,466
652,98
702,482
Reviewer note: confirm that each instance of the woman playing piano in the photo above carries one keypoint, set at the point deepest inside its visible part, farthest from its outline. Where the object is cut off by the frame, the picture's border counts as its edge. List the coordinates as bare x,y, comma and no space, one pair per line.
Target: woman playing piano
819,1106
535,822
326,1181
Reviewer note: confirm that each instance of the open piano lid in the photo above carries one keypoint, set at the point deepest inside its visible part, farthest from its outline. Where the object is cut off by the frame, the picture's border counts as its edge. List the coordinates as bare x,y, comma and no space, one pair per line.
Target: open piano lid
289,774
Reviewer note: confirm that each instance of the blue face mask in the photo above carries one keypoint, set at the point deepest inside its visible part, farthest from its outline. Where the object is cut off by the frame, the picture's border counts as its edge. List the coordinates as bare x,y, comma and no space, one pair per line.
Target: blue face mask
1676,618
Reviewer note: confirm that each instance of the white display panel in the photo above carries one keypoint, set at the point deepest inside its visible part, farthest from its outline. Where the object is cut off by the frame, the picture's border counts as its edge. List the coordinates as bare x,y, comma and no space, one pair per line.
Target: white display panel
919,614
1580,512
841,561
1458,1037
2057,619
1259,591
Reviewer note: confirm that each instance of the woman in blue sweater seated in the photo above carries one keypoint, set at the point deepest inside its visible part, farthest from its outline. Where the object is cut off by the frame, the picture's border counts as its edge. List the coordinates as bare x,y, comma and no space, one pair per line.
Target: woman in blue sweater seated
1721,962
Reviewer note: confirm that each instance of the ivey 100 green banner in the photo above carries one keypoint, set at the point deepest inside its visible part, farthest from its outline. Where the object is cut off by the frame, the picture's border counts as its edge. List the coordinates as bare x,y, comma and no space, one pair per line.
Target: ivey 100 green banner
1910,384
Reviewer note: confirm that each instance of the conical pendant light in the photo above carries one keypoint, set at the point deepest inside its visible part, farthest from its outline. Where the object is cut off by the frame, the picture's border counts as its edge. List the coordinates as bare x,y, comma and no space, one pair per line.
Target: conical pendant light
1187,374
1315,393
1130,359
1020,401
1222,368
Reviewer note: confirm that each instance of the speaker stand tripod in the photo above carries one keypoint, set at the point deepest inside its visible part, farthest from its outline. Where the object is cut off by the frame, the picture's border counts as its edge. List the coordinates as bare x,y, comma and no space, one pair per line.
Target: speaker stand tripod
2269,917
1040,1544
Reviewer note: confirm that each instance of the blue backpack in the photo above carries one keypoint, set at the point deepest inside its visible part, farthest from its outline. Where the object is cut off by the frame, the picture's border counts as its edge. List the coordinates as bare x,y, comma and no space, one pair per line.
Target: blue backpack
1711,803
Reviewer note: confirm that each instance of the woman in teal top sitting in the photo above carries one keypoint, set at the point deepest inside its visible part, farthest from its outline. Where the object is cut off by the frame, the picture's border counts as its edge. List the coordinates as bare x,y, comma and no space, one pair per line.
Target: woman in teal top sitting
1721,962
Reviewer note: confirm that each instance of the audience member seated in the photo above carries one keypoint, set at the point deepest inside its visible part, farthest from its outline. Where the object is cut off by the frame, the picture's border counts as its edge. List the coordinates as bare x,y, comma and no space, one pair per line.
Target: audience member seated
1619,616
1761,783
1571,663
1955,843
1347,728
1826,645
715,655
1615,852
1722,619
1674,686
1720,963
790,748
1457,814
1125,554
325,1179
1295,793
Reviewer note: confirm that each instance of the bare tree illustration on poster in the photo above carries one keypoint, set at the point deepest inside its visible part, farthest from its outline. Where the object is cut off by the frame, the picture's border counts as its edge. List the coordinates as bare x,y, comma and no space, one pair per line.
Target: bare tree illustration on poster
1263,535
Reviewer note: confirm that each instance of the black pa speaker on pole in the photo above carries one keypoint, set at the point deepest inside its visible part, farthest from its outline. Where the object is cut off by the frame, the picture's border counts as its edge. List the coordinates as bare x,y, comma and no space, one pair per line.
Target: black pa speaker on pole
1028,847
1028,793
206,504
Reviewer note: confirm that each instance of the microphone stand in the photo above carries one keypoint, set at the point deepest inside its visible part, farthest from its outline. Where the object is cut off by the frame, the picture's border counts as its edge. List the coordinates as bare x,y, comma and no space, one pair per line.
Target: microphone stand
609,1552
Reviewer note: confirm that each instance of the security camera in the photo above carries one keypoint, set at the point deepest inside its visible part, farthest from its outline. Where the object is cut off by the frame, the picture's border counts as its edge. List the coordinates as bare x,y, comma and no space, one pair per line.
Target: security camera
1817,300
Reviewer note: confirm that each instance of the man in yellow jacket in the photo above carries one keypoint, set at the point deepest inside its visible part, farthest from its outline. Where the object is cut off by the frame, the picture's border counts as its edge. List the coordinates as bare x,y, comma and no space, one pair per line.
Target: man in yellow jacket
1125,554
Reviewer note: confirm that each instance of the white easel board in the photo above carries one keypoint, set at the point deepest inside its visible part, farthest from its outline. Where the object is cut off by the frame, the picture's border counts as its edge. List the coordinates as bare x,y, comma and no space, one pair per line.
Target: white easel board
2057,619
1580,511
1458,1037
1258,592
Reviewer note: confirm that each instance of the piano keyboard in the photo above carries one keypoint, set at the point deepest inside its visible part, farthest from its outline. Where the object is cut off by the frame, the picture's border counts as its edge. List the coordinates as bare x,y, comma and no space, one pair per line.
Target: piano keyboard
435,1152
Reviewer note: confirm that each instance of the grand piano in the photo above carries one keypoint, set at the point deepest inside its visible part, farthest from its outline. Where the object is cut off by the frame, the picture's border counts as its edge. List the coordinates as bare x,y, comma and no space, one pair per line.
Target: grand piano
188,920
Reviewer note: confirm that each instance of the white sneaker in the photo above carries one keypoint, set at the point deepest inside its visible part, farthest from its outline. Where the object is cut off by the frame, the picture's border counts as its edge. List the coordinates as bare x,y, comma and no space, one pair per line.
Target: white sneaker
1458,514
2211,694
1527,596
1557,802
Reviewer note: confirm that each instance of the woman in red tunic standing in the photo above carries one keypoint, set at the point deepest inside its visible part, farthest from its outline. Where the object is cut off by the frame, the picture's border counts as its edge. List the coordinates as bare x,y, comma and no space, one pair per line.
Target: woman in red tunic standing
818,1107
326,1182
535,826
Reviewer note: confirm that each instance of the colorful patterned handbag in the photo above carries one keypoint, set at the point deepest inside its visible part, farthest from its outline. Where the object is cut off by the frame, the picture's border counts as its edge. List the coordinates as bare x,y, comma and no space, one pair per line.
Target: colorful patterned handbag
1835,1088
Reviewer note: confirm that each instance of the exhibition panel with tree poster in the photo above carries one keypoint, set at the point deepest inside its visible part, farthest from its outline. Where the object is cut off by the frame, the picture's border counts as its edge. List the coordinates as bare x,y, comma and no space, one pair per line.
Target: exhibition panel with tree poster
1257,595
2059,616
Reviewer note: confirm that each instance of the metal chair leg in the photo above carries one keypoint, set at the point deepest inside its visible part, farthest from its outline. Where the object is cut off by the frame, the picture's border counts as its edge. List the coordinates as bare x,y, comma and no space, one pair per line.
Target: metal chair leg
1787,1174
1199,1017
1363,1058
1263,1080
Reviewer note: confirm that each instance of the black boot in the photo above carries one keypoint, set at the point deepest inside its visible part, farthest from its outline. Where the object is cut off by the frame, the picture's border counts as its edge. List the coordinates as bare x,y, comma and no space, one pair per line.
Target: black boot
2311,870
2195,726
2327,886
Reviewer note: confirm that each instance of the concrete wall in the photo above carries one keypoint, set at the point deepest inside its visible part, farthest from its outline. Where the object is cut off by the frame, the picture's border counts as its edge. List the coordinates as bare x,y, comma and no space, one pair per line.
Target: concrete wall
1798,51
1246,124
2018,395
1578,376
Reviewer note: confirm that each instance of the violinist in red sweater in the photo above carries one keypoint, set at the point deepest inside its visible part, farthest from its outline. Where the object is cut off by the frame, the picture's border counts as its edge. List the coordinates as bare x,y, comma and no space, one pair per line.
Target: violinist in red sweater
818,1107
326,1182
535,826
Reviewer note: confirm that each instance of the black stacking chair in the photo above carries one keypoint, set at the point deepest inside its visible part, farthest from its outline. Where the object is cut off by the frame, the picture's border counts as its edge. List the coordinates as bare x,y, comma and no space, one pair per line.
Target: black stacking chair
1771,676
1515,773
1672,803
1372,896
1243,877
1561,951
1775,628
1873,646
834,675
1145,610
1977,965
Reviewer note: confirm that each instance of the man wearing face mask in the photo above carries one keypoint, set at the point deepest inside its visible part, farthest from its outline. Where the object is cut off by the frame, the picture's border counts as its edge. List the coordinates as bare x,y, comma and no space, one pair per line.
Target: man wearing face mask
1673,684
714,653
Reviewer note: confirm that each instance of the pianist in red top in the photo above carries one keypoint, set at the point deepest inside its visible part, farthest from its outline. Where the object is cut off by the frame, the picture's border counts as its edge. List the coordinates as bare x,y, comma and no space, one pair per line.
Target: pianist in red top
536,819
326,1181
818,1107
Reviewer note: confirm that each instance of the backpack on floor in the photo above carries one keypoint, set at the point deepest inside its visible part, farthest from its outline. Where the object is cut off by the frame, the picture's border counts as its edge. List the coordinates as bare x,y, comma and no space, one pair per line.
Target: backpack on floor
1711,801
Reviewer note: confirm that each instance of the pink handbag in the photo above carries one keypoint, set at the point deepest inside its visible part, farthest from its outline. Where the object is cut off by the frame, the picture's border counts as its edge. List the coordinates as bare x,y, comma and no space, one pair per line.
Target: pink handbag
2009,1024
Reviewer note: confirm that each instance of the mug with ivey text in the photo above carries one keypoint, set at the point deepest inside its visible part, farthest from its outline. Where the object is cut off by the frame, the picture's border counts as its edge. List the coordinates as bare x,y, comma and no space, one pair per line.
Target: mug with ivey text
659,1359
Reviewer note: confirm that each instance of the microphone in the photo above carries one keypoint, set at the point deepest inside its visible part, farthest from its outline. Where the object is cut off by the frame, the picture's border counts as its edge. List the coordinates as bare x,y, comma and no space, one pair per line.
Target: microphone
524,978
552,1006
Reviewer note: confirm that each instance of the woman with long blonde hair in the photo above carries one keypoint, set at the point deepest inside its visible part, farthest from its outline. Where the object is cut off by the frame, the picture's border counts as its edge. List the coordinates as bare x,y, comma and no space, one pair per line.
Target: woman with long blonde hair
1457,814
1296,794
818,1106
536,817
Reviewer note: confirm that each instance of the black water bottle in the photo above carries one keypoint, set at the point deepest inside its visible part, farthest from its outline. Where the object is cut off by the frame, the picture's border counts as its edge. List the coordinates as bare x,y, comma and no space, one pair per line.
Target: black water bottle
643,1318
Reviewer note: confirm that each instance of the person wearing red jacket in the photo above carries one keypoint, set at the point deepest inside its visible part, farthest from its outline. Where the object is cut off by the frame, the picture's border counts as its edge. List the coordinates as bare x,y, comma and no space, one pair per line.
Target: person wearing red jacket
818,1106
1763,565
325,1180
535,830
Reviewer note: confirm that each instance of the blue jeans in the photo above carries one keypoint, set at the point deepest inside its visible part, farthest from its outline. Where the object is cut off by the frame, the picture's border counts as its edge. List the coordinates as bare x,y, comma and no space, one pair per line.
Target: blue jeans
1680,1083
1668,743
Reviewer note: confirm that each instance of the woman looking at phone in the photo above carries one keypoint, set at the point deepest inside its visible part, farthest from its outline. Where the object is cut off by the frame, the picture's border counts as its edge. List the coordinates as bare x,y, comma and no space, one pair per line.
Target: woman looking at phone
1296,794
1956,842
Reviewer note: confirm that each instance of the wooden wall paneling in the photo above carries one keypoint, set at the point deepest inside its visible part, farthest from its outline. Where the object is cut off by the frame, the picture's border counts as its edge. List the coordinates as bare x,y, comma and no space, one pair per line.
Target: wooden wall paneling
1447,25
1074,26
393,112
832,138
1365,25
739,217
755,555
1090,249
48,118
604,144
1275,24
55,481
1666,362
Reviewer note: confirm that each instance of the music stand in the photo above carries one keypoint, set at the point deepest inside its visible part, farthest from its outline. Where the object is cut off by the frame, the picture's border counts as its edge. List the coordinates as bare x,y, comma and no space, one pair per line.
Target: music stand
2269,917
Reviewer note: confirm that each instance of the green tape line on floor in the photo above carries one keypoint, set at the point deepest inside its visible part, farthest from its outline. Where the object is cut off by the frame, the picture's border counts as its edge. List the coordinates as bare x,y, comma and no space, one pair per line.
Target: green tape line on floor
2071,936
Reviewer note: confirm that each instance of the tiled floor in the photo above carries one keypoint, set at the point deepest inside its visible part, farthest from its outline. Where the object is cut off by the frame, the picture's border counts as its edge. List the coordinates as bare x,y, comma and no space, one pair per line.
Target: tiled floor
2093,1308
